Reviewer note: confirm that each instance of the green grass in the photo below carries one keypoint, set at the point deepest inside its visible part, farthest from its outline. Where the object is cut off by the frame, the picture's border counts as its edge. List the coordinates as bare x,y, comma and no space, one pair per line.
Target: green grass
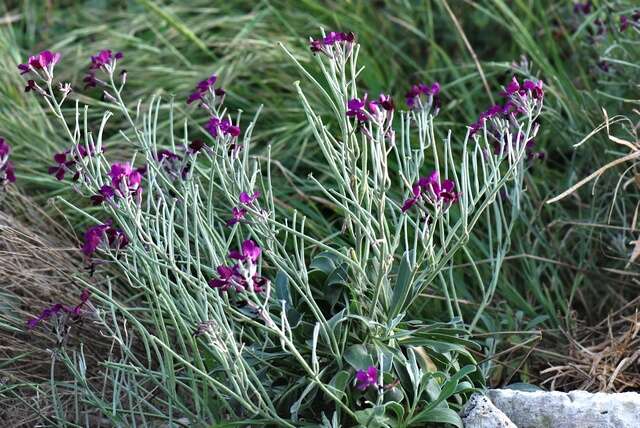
567,262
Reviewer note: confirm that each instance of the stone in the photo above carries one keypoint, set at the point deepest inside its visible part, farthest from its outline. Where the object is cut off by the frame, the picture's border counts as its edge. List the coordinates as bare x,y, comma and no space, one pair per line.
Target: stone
576,409
479,412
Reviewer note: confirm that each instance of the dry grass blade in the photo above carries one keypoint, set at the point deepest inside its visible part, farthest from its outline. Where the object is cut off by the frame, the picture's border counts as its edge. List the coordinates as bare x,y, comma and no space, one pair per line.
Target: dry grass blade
40,265
606,358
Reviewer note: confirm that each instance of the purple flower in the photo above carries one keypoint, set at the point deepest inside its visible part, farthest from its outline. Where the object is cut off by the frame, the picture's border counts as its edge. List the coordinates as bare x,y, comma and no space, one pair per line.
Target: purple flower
414,94
90,80
361,108
5,149
74,312
247,199
249,251
330,39
385,102
624,23
45,60
237,214
95,236
226,275
241,277
105,192
195,146
67,160
584,8
104,58
62,165
203,87
367,378
216,127
126,180
432,190
31,86
356,108
514,92
7,172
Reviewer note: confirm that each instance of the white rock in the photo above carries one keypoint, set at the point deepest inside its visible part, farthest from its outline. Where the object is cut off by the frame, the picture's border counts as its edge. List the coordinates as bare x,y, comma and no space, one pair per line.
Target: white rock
576,409
479,412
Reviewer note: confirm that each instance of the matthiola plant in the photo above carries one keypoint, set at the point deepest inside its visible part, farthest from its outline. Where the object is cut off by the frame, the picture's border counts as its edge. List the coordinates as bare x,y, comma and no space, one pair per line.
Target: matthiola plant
255,317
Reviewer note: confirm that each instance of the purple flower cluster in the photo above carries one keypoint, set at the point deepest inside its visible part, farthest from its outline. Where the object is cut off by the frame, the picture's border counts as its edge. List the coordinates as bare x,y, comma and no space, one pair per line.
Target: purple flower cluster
584,8
105,60
238,213
362,109
513,94
431,190
432,92
210,98
73,312
103,233
333,38
216,127
242,275
67,161
44,61
205,87
366,379
7,173
125,181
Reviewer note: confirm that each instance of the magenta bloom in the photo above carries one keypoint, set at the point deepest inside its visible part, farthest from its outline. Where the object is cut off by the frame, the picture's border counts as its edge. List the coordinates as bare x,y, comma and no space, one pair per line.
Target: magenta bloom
331,39
367,378
216,127
45,60
226,276
247,199
31,86
105,193
513,92
203,87
104,58
66,162
7,172
74,312
356,108
249,251
385,102
361,108
432,92
103,233
242,276
195,146
237,214
125,180
430,189
624,23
